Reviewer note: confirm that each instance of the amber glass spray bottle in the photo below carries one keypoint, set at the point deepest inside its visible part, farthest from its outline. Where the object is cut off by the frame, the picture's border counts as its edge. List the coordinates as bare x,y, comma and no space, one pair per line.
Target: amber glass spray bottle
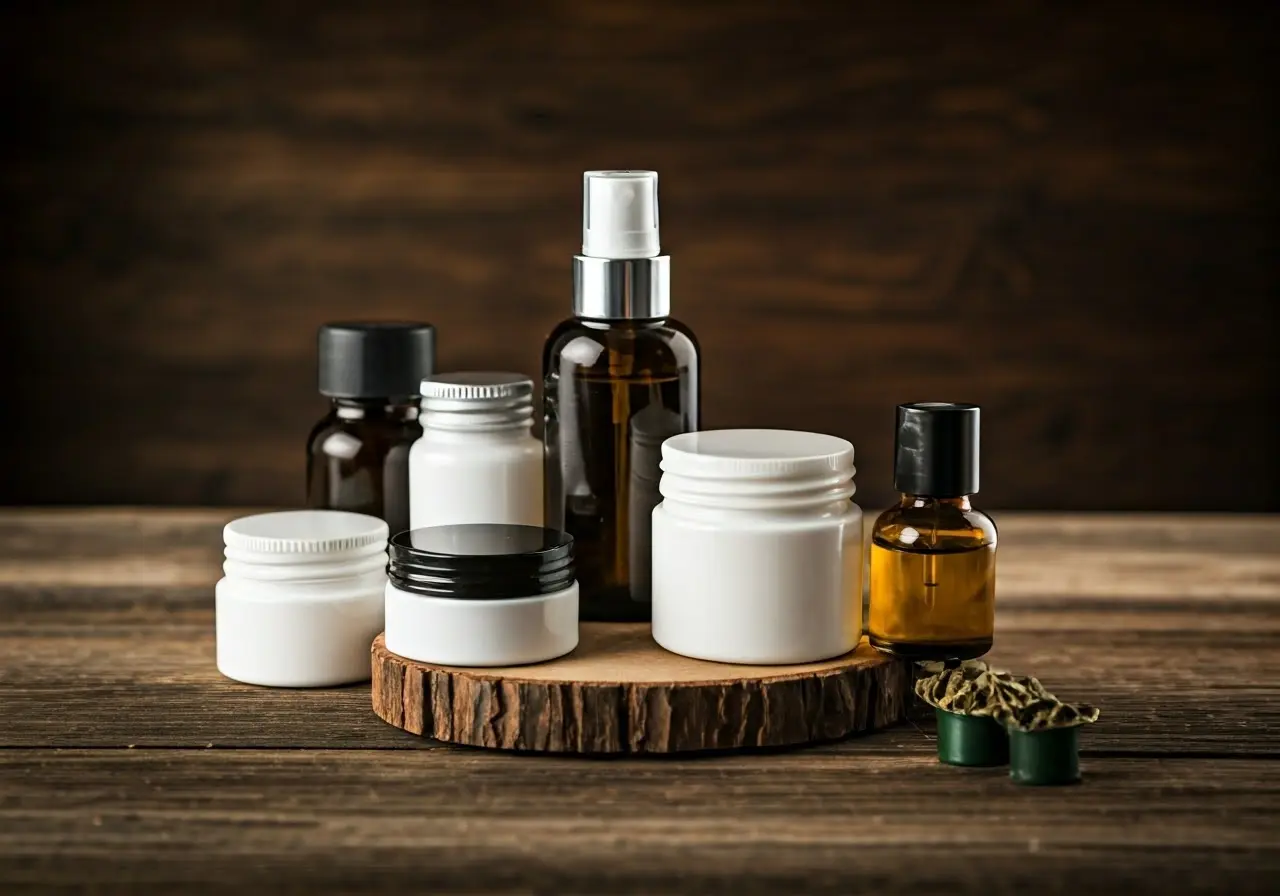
933,556
619,377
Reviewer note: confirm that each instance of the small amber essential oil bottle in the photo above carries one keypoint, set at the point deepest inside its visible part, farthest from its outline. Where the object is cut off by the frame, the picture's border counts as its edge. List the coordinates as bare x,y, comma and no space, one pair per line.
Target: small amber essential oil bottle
933,556
358,455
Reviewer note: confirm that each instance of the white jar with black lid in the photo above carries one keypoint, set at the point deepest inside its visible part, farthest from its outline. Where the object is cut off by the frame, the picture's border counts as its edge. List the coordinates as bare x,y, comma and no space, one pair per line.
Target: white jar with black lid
481,594
478,460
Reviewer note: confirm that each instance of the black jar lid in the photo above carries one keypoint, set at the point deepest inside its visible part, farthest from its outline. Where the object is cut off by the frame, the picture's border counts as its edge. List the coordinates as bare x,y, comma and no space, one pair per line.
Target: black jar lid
481,561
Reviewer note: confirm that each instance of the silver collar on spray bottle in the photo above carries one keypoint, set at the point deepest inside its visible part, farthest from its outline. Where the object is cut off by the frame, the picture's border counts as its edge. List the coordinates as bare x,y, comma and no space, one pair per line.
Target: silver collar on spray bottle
620,274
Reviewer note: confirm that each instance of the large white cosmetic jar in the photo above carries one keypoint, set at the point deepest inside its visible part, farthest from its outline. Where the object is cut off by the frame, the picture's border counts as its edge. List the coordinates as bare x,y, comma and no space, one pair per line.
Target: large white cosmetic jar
757,547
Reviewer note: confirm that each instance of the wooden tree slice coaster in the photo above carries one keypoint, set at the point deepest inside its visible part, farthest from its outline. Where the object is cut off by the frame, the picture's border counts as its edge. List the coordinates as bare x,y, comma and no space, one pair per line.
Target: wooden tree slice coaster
619,692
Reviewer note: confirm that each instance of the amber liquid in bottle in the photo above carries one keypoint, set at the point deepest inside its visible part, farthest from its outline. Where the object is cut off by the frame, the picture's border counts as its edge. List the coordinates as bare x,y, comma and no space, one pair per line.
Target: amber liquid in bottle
358,459
933,564
612,393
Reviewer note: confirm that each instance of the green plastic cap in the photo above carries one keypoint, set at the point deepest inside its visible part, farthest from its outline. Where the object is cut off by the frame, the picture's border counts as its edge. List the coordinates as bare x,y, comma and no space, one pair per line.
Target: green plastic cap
971,740
1049,757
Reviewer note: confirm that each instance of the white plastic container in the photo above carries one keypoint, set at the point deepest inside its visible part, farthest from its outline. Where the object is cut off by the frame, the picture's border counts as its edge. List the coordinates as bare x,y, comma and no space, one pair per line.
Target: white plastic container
757,547
481,595
302,597
477,460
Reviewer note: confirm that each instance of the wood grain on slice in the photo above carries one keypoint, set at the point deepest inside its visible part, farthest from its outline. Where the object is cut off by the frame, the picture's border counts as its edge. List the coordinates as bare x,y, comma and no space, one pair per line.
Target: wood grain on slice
619,692
89,669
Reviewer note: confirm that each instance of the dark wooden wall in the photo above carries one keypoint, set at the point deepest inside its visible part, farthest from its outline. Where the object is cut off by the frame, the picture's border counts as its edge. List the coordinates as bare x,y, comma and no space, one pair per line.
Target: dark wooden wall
1066,212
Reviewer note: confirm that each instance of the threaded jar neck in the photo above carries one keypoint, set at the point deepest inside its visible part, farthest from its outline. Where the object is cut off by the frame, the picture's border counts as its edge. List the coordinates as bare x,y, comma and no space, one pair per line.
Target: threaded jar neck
310,570
757,471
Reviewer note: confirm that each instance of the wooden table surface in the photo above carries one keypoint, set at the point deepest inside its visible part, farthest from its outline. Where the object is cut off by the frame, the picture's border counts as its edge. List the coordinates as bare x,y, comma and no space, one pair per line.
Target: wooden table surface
129,763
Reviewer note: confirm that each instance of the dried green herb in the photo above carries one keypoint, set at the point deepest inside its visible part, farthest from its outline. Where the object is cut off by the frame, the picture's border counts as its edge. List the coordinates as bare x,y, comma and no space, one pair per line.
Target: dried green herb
1046,714
973,688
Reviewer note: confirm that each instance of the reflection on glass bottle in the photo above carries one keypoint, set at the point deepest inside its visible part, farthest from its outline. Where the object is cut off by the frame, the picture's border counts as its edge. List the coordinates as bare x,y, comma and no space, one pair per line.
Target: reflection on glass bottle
358,459
649,429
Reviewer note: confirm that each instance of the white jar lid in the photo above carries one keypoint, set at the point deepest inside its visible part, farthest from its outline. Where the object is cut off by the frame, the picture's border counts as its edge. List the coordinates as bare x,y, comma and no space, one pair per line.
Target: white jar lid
305,532
756,453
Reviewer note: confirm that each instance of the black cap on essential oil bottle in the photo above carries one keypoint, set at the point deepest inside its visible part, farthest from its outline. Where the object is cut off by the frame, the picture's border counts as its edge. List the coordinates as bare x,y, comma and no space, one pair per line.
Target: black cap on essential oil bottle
935,449
375,359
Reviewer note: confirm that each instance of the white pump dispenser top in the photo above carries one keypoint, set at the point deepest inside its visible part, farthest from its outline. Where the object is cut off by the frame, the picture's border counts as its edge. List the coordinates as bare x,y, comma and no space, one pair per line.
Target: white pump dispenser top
620,214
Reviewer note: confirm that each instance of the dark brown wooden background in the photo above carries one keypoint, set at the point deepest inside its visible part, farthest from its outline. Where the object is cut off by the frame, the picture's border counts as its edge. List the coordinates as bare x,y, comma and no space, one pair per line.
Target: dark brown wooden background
1065,212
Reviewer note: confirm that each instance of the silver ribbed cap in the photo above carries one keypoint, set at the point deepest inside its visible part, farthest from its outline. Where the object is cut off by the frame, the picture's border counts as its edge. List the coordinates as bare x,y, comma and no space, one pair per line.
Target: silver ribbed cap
477,386
477,400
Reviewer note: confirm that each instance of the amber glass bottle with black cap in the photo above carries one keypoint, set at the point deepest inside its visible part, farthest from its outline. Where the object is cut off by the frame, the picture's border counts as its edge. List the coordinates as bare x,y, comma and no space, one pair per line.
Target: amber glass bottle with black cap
358,455
933,556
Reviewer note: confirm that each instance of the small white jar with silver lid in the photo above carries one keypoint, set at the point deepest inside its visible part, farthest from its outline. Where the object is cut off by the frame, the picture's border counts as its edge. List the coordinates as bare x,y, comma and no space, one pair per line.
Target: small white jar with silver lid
481,595
301,599
478,460
757,547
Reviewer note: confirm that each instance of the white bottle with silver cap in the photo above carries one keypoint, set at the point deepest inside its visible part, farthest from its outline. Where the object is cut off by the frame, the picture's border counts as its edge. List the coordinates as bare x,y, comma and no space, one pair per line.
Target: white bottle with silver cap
478,460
